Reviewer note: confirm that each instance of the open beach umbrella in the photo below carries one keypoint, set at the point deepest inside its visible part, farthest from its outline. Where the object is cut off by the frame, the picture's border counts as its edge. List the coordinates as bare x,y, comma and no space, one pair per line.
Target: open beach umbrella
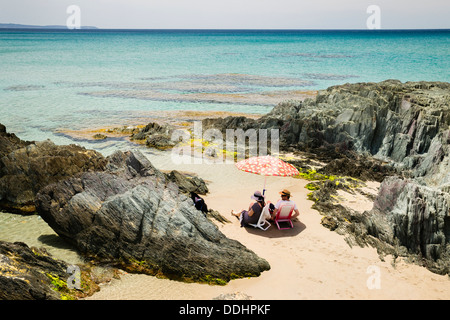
267,166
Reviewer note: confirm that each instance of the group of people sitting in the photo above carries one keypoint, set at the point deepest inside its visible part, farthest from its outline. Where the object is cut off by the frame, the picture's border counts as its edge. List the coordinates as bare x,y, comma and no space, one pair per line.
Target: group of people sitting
251,216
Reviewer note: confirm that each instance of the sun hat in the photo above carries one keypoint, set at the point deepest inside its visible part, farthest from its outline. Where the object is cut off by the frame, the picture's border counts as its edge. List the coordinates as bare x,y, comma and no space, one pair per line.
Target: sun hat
257,196
285,192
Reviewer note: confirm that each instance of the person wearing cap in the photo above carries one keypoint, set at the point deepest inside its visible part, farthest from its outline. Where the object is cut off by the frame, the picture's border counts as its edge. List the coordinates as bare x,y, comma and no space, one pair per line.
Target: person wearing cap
285,199
254,210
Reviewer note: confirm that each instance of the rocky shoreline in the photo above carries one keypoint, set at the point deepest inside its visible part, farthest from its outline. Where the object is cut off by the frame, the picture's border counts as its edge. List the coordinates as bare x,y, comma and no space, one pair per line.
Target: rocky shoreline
397,133
122,211
118,211
33,274
133,216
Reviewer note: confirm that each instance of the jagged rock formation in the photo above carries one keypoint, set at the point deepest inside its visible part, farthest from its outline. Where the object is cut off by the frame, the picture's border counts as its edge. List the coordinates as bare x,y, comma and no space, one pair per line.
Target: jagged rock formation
414,216
132,215
10,142
405,125
389,120
118,210
23,273
156,136
26,167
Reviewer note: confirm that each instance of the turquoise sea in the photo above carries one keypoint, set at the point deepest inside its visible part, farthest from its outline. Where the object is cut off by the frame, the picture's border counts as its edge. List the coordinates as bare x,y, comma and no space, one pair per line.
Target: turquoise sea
53,79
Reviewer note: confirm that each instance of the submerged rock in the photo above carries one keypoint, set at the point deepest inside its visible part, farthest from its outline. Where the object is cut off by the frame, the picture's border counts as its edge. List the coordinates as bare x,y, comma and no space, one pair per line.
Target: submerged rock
156,136
100,136
131,215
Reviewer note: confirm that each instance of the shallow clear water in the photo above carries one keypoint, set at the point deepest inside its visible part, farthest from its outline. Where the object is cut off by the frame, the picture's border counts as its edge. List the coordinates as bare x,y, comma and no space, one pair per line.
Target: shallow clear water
35,232
88,78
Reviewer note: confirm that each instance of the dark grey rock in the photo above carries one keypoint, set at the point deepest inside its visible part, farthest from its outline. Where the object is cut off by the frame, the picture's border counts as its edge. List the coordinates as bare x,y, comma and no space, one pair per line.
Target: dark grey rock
156,136
188,184
33,274
23,273
390,120
414,216
26,169
10,142
131,214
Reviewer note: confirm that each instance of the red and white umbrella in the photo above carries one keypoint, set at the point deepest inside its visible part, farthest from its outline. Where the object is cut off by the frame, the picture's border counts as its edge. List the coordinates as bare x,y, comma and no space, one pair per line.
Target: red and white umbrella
267,166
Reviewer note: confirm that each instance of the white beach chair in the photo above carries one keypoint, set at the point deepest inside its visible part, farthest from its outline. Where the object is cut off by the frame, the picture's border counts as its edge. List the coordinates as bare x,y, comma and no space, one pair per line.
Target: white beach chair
262,223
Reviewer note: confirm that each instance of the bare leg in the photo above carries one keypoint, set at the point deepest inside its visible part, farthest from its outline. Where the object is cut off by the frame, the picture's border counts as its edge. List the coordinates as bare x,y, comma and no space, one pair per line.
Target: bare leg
236,214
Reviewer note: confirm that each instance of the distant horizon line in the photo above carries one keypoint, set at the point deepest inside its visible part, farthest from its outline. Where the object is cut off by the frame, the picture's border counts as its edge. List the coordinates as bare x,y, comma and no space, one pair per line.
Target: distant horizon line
83,28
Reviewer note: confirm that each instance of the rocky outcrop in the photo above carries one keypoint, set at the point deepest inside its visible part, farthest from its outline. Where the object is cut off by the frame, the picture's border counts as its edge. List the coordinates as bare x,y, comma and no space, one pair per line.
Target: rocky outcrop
131,215
395,122
415,217
32,274
122,211
404,128
362,167
10,142
27,167
188,184
410,130
23,273
389,120
156,136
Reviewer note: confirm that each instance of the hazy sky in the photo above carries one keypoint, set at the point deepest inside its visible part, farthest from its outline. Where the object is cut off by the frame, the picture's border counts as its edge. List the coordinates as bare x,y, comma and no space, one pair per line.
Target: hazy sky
245,14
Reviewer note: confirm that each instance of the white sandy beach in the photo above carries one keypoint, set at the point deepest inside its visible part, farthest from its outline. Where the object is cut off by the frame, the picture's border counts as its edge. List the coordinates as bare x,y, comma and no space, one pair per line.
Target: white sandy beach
307,262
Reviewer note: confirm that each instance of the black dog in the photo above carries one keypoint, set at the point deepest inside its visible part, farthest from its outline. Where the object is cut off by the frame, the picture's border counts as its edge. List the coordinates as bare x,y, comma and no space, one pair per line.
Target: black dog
199,202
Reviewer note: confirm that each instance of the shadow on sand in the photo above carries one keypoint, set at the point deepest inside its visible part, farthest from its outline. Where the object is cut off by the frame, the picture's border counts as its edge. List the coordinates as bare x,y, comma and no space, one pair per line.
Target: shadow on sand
273,231
56,241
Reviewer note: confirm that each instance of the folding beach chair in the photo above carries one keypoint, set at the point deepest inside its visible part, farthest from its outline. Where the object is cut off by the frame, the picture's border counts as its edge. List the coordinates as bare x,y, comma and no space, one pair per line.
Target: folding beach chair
262,223
284,214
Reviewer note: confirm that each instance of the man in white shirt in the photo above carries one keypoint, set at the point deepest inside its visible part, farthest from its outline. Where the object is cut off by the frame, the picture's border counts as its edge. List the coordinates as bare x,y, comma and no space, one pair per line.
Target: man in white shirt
285,199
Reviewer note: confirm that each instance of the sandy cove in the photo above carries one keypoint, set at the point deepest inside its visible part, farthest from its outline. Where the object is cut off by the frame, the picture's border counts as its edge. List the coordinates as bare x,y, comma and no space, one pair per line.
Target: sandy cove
307,262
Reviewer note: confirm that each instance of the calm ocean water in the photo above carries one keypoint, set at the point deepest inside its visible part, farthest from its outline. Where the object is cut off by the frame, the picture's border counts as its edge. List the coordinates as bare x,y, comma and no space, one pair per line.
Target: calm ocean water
64,79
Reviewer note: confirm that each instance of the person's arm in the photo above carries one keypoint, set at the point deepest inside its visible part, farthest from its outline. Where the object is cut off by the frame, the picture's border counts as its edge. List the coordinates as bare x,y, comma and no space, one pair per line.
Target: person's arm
274,213
296,214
